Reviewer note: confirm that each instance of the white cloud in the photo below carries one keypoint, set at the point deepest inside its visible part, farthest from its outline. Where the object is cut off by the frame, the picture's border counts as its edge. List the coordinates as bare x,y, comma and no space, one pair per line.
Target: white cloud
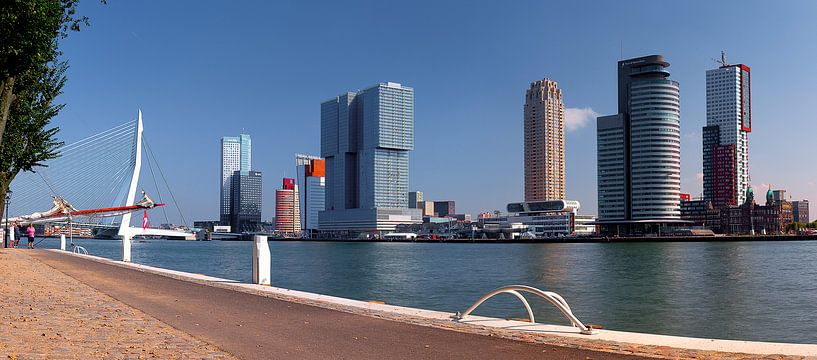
577,118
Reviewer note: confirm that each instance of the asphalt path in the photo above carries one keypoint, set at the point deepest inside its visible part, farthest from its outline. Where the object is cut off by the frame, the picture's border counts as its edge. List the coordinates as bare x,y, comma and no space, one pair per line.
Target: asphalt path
257,327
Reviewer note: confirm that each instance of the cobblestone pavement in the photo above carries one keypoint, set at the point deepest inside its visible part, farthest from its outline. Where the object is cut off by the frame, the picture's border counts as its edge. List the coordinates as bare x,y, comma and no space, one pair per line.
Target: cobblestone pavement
45,314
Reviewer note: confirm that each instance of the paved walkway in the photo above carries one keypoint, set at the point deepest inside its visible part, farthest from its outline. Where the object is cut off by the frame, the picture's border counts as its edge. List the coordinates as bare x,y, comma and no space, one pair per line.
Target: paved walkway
45,314
88,309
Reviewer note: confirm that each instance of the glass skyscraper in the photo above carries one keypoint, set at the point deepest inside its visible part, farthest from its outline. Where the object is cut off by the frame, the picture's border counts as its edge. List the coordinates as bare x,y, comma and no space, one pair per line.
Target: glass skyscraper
245,214
366,137
236,153
639,150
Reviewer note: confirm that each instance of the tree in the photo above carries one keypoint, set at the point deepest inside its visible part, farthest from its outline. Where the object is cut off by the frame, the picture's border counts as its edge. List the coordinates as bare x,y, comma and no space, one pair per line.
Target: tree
29,139
29,29
31,77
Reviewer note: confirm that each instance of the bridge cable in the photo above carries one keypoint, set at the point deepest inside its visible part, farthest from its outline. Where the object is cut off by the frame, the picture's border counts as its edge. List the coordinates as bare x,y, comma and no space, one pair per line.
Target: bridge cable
155,183
156,161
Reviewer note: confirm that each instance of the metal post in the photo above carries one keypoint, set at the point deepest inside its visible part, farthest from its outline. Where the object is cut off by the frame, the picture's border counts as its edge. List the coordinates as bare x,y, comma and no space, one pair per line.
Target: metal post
261,261
6,232
62,241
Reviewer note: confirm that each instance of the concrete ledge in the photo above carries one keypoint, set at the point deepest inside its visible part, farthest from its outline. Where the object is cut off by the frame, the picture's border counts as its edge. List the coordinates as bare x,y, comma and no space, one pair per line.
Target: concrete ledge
605,340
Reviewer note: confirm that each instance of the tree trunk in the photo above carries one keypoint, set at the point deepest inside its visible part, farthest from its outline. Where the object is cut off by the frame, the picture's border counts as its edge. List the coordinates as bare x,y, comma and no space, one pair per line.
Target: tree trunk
6,97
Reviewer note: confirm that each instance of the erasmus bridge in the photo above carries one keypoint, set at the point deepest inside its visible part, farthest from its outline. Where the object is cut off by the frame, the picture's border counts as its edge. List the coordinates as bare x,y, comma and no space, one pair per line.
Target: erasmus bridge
97,172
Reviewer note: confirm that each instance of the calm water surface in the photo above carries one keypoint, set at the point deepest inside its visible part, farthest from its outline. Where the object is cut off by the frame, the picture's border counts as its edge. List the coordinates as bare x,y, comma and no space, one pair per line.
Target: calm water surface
738,290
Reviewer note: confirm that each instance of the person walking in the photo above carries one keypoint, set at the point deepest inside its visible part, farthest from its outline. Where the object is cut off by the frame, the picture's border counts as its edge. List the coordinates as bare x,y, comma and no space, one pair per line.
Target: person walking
17,235
30,231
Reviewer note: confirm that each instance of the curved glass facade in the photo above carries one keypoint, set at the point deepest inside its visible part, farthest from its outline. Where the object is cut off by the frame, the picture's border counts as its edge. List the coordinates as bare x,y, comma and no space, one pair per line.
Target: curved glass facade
639,150
655,152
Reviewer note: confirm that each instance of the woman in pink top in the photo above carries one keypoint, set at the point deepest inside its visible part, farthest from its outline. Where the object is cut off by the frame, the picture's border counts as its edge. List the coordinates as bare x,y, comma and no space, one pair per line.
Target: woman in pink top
30,233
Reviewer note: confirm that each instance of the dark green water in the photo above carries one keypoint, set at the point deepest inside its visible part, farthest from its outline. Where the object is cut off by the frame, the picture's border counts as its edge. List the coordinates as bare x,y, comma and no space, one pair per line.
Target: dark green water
738,290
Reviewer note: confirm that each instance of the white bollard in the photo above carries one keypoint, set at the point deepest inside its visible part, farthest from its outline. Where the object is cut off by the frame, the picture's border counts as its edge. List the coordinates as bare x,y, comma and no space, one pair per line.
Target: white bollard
11,237
261,261
126,248
62,242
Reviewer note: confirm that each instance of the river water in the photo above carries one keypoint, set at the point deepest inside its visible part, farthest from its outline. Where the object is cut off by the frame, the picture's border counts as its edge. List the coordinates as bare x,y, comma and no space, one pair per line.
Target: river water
763,291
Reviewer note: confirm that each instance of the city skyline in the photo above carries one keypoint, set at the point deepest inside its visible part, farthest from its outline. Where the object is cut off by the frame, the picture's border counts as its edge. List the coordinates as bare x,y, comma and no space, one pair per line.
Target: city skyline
483,126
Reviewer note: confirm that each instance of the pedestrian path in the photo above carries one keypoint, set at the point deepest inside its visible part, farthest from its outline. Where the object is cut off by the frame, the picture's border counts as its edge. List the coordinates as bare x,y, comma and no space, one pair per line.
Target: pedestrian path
45,314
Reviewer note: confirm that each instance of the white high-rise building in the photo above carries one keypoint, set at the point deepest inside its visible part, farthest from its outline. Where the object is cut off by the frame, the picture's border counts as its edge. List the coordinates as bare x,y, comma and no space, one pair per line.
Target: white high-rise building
311,180
726,136
236,152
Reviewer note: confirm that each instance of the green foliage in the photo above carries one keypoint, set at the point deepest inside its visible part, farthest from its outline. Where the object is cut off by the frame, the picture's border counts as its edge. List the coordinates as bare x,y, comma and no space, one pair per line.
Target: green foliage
28,29
28,138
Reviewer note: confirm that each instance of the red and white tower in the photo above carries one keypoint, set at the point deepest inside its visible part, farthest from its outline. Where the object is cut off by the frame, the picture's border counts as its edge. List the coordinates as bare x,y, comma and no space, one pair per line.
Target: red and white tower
726,134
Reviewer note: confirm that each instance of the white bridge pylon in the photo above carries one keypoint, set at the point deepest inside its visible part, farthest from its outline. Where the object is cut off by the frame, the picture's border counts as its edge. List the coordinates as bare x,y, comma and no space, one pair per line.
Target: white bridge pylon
126,231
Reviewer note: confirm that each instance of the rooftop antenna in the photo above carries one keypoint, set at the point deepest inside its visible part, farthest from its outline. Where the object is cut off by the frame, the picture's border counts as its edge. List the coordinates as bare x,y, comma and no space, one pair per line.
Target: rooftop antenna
722,61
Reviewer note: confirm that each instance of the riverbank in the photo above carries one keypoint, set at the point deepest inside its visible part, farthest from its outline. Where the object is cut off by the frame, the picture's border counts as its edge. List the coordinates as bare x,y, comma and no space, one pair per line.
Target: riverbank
237,316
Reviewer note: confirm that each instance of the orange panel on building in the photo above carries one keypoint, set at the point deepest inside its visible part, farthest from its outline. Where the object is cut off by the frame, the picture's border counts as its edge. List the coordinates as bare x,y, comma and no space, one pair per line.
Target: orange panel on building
317,167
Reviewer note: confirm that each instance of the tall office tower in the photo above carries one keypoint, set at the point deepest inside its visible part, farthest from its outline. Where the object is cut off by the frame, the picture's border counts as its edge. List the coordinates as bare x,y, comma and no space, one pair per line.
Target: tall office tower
235,156
245,212
639,150
311,180
726,134
287,208
415,197
366,138
314,194
544,142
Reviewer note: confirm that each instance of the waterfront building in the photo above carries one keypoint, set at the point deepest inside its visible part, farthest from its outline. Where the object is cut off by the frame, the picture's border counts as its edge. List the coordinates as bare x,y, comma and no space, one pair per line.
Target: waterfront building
427,208
726,134
444,208
245,209
552,218
208,225
748,218
311,181
700,212
366,137
461,218
639,151
585,225
287,208
485,215
415,198
544,141
236,153
800,211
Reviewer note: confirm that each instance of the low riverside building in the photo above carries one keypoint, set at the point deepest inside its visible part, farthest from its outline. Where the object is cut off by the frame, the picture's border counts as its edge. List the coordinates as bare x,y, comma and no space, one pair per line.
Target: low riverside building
748,218
585,225
552,218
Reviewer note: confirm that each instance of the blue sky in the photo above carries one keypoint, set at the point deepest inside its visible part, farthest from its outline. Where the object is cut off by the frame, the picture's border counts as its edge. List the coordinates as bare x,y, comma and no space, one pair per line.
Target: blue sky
202,70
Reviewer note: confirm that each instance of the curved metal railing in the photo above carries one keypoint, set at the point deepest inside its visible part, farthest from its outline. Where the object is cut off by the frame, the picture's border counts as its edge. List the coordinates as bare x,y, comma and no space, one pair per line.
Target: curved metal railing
79,249
555,299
